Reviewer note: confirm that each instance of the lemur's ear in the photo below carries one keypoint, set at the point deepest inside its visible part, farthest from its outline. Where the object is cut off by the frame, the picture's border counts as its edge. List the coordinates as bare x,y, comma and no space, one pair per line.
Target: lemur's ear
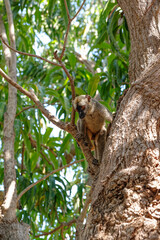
88,97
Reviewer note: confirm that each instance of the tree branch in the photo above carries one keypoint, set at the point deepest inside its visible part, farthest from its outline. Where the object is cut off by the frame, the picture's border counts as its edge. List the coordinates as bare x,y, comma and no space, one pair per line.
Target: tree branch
44,156
69,24
34,98
65,39
24,109
45,177
62,225
78,11
27,54
66,6
53,63
71,83
68,27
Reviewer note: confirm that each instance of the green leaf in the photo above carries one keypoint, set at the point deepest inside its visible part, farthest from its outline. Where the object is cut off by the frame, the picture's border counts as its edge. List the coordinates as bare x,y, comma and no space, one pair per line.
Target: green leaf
26,141
60,180
93,84
65,143
72,59
67,105
53,159
1,175
52,92
47,134
51,6
79,91
2,109
112,24
34,159
64,12
38,141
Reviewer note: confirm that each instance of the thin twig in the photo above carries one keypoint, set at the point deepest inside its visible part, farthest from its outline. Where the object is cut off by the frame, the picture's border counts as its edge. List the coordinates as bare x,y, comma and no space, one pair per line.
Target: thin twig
65,39
78,11
26,108
62,225
68,27
44,156
62,53
71,83
28,54
55,209
45,177
69,24
50,149
66,6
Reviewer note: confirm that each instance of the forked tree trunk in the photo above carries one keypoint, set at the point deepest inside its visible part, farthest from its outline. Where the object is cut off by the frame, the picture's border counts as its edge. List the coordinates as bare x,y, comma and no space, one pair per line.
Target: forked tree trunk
126,199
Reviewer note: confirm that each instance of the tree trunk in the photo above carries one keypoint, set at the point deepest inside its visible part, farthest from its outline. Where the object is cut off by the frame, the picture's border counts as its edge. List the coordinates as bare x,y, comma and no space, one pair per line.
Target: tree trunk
9,227
9,205
14,231
125,198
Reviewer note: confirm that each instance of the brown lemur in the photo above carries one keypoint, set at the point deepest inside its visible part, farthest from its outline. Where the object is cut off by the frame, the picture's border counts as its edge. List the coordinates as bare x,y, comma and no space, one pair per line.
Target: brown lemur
92,117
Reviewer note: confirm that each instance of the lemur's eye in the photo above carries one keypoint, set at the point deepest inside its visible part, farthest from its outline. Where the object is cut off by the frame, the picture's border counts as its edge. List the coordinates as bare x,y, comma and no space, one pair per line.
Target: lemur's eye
83,107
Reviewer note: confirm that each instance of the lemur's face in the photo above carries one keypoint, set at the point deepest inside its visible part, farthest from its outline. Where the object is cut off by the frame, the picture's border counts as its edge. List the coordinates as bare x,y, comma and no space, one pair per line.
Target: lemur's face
81,105
81,111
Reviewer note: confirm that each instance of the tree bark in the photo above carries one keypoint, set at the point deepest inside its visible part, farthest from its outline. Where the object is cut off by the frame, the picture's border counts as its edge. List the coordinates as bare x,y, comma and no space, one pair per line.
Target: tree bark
9,205
125,198
14,231
9,226
143,23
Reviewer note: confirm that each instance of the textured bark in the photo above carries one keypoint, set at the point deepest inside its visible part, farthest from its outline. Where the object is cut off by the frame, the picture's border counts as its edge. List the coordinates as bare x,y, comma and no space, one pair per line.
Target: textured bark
9,205
9,227
14,231
125,199
143,18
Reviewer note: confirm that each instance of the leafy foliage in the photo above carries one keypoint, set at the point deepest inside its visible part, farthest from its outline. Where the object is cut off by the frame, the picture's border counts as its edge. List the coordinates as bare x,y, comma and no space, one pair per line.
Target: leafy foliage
100,33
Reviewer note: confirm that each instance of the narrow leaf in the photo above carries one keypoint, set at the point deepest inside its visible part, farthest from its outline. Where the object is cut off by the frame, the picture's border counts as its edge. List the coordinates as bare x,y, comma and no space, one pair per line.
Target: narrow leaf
93,84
